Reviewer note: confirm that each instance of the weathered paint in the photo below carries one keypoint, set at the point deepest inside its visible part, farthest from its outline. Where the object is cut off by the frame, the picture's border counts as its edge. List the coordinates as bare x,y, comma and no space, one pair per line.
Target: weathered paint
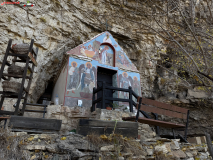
81,75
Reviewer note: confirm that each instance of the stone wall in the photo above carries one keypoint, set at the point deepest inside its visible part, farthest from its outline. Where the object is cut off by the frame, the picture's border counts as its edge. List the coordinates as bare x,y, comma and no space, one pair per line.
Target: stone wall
74,146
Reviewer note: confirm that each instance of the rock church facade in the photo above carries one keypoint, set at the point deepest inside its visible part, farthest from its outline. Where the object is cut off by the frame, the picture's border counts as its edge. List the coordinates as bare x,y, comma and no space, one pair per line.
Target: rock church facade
89,64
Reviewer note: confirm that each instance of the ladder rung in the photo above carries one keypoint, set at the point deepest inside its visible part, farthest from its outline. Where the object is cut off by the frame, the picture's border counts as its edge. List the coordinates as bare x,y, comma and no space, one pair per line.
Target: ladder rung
4,78
40,105
7,63
15,76
18,55
29,110
22,61
6,112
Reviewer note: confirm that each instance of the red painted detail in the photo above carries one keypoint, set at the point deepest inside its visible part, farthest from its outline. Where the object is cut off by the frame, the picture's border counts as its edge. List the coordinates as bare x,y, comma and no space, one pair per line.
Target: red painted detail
66,81
67,92
24,5
73,92
32,5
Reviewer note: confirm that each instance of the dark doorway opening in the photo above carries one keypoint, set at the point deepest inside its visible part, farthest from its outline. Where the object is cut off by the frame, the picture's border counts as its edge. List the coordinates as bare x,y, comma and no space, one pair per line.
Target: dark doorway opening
47,95
106,75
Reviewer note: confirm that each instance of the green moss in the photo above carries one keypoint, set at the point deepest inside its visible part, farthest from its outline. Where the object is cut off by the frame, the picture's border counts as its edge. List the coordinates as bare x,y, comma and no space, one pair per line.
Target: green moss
9,19
58,23
58,4
94,1
79,38
43,19
95,11
82,1
162,81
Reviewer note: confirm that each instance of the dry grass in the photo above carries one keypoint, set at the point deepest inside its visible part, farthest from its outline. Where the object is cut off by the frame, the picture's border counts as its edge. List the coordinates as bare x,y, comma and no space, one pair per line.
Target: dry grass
9,146
121,145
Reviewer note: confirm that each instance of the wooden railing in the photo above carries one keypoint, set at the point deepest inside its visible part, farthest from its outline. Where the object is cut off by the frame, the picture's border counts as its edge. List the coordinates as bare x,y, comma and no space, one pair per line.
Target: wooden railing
102,99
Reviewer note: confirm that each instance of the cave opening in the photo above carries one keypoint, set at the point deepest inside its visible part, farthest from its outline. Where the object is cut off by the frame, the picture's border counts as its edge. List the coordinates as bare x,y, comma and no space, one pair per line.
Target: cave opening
47,95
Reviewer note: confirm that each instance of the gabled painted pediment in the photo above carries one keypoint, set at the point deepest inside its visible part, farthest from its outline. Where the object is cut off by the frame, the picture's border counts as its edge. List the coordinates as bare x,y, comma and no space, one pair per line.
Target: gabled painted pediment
101,48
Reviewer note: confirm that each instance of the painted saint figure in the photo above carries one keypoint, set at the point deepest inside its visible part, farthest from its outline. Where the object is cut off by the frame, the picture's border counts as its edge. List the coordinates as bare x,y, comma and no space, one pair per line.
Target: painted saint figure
107,38
73,72
125,82
103,55
136,85
87,79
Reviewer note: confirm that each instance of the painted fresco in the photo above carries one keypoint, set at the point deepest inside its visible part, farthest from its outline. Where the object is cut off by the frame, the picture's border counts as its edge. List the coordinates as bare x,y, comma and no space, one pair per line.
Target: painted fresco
106,55
81,78
102,54
81,75
126,79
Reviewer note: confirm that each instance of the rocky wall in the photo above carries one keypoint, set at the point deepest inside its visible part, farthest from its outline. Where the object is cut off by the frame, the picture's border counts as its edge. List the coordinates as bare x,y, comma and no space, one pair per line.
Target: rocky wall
55,32
77,147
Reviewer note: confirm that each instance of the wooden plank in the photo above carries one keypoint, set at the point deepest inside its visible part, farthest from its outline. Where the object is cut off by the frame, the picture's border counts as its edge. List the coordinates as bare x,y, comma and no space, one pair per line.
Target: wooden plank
39,105
2,112
39,111
35,131
21,61
117,89
117,99
164,105
12,96
18,55
155,122
32,59
163,112
102,123
4,118
126,132
35,123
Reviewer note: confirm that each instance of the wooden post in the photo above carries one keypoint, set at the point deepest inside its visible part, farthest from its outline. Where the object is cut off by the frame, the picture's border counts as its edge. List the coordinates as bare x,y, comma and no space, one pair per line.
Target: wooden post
93,99
103,96
1,102
31,78
5,58
209,143
139,99
130,99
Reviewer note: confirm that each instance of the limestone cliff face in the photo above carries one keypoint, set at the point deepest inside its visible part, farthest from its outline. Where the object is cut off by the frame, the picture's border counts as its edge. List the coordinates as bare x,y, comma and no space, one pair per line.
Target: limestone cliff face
59,25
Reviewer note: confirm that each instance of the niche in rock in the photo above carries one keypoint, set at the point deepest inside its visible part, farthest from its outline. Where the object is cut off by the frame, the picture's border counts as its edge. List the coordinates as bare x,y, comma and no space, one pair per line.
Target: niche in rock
47,95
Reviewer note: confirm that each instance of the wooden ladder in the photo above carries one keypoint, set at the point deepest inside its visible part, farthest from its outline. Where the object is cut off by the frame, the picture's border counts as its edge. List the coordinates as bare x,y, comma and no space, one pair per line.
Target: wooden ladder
23,92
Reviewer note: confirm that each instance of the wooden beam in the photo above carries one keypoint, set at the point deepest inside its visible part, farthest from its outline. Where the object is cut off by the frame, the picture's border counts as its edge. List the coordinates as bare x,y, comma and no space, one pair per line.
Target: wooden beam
35,123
